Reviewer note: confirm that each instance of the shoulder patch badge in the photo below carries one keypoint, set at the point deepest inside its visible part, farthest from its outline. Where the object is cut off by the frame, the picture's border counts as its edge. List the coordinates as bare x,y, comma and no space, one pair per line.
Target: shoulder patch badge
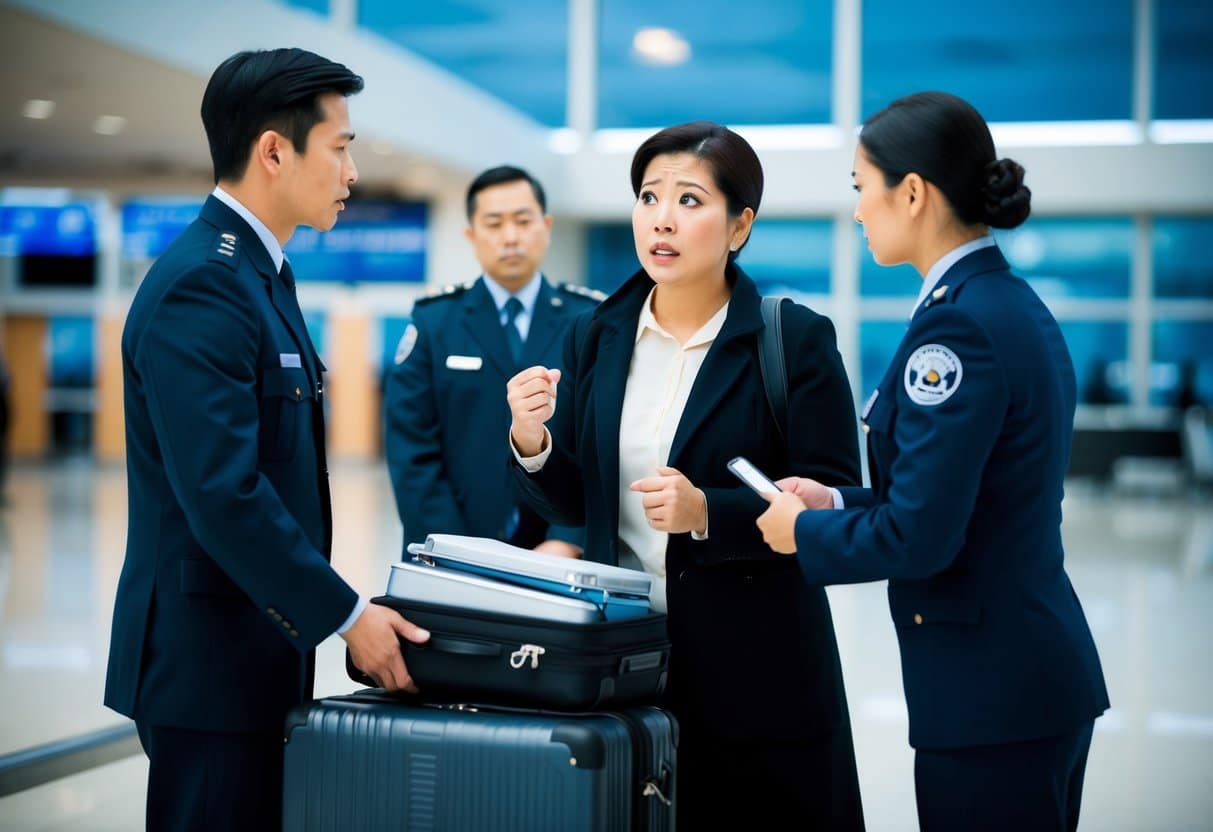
407,341
933,373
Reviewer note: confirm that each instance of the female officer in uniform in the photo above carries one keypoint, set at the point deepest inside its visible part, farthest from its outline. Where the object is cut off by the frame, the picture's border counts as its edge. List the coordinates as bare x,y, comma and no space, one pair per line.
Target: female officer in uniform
660,390
968,442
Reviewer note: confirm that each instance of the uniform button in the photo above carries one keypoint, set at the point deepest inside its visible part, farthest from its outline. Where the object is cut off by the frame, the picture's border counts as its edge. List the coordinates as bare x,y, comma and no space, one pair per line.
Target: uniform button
286,624
866,428
298,394
683,575
295,633
917,618
271,611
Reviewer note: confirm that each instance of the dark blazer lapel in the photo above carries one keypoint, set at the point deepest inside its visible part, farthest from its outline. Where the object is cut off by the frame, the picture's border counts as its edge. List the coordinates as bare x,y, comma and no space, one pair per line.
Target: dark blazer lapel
548,320
613,360
482,322
616,319
730,357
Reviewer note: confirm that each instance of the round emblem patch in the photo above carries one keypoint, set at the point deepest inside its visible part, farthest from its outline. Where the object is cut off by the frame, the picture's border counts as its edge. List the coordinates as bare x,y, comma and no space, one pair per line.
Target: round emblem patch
933,373
407,341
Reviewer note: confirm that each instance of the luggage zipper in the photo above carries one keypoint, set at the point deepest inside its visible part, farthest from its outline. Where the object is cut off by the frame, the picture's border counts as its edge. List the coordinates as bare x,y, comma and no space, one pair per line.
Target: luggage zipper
527,651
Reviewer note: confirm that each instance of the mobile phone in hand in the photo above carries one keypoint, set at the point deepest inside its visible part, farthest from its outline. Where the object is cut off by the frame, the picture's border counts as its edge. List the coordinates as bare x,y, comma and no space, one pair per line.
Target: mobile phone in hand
748,473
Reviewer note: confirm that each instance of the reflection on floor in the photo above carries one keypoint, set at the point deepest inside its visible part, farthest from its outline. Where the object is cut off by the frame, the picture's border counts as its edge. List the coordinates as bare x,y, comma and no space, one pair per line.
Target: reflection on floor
1142,566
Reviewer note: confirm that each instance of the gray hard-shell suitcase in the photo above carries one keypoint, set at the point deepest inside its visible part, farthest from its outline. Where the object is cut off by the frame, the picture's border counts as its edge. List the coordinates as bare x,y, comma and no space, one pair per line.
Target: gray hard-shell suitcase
372,762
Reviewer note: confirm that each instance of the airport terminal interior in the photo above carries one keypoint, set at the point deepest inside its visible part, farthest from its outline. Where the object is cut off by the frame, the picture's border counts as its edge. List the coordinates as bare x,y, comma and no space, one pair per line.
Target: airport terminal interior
1108,104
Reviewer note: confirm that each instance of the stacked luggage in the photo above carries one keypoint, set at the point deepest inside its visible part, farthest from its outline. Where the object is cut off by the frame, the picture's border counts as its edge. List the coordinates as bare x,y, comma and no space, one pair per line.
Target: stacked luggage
537,712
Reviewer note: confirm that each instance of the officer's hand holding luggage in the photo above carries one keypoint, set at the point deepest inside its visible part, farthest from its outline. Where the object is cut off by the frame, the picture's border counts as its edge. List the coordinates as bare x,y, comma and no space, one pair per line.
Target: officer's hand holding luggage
374,643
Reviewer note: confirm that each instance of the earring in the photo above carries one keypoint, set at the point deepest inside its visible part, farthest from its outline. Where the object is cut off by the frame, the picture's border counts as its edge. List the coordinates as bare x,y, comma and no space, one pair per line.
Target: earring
733,247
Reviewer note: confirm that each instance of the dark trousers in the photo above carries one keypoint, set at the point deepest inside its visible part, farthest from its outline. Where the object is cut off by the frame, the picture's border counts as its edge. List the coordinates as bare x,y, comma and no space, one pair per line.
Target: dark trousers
768,785
1033,785
204,781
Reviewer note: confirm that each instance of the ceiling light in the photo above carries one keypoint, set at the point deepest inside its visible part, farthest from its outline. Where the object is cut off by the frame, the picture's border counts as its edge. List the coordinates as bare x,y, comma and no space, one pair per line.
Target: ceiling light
109,125
38,108
663,47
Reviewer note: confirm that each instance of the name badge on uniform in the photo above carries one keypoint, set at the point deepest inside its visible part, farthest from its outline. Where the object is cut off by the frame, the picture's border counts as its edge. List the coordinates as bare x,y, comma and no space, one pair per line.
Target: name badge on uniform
289,359
464,362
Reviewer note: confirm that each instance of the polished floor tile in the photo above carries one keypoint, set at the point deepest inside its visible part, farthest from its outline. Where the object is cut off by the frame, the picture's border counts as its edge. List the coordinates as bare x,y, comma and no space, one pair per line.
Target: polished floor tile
1142,566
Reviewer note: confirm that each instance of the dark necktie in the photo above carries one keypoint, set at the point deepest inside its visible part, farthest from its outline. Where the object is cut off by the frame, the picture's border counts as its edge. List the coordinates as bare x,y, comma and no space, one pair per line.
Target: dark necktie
513,308
288,276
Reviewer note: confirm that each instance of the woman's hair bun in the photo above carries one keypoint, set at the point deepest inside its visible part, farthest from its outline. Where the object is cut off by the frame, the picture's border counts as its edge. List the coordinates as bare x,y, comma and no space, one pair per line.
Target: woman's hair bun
1007,201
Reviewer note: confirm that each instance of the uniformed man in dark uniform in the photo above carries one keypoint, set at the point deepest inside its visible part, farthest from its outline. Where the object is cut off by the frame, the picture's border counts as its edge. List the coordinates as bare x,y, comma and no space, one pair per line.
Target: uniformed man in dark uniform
445,410
227,588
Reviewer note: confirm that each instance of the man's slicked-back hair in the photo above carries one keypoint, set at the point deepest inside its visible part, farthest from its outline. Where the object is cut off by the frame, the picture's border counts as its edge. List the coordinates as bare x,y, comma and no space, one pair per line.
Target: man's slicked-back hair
274,89
500,176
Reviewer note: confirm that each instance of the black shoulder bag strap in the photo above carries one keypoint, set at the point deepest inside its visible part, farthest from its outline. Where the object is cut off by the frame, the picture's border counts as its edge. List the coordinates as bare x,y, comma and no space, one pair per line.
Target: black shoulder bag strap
772,364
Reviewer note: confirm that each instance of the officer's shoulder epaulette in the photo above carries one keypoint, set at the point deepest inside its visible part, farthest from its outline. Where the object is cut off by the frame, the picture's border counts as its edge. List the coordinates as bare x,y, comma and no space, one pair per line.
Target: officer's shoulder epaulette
450,290
582,291
943,293
225,249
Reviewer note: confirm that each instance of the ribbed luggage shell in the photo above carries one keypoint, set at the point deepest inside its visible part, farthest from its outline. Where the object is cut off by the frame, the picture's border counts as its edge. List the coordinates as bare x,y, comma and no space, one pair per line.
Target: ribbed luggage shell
367,763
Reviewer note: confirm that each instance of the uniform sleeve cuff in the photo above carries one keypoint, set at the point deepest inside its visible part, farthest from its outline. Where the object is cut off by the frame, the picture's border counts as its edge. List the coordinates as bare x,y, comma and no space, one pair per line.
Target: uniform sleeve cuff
533,463
838,503
359,607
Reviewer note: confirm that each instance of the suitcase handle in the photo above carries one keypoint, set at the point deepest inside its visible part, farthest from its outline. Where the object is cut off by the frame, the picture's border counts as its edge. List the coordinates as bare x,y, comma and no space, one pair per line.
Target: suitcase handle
638,662
462,648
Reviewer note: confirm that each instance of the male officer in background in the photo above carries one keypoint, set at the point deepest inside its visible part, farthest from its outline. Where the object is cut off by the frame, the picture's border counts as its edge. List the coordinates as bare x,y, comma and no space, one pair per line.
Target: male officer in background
445,411
227,588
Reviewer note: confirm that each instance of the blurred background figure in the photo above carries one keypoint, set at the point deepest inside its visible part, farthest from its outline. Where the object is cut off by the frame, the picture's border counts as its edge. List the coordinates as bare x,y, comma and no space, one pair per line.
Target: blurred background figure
444,410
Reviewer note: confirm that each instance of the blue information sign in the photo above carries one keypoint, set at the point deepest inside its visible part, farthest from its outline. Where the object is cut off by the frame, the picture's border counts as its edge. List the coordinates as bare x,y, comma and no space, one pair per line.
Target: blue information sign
59,230
149,225
372,242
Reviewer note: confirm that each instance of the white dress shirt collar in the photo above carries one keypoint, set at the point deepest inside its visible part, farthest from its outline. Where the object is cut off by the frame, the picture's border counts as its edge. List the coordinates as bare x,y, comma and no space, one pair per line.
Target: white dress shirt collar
263,233
704,335
946,262
527,295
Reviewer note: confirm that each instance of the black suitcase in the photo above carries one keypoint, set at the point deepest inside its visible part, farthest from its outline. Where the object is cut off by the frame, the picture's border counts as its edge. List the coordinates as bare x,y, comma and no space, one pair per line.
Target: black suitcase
372,762
513,660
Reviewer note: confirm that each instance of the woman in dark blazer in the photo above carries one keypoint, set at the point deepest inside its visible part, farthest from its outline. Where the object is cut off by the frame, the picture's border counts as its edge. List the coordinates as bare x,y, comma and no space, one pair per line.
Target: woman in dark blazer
661,390
968,442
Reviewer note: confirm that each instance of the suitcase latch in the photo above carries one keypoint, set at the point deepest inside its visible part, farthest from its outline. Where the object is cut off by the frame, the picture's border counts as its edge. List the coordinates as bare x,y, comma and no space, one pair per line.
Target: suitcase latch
527,651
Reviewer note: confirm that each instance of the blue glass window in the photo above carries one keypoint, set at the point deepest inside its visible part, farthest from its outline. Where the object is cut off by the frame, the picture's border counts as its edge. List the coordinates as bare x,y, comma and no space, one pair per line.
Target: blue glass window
786,256
770,64
878,342
516,51
1183,356
1183,258
1072,258
1183,59
318,6
610,256
1100,352
876,280
1041,61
